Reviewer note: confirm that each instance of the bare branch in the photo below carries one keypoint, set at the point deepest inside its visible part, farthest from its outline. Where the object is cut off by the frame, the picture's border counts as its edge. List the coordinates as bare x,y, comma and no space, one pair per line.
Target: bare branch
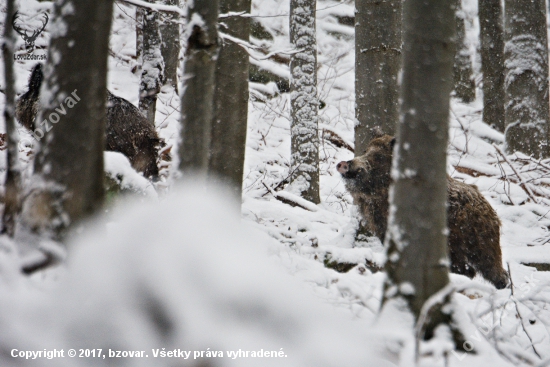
156,7
522,182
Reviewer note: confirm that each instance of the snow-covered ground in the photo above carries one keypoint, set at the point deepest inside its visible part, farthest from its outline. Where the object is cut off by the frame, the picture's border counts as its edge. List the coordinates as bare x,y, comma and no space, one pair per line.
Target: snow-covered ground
176,269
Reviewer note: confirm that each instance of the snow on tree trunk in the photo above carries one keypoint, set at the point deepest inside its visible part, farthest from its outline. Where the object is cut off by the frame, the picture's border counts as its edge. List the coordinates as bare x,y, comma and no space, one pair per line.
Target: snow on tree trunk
304,105
139,38
68,177
152,64
526,77
231,101
377,64
416,238
12,185
492,62
464,84
170,47
198,85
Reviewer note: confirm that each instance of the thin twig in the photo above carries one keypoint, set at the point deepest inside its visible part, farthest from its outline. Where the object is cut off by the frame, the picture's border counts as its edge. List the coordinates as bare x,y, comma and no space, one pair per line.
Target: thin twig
519,314
280,184
506,180
522,183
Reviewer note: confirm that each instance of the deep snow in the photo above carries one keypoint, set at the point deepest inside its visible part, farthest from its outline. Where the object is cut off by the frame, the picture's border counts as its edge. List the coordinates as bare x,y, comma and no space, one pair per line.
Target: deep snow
178,270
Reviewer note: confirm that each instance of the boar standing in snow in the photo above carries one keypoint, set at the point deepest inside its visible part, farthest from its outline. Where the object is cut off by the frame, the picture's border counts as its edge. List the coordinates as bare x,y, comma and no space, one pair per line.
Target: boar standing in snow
474,227
127,130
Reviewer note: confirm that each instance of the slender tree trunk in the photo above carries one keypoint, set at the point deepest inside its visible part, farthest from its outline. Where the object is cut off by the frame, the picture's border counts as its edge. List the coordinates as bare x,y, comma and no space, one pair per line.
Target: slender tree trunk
68,182
170,47
417,226
464,84
231,101
304,105
492,62
526,78
139,37
12,199
198,86
377,64
152,67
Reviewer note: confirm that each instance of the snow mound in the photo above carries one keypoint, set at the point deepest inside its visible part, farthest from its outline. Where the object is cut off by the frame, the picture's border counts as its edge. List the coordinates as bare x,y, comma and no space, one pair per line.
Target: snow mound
187,274
119,169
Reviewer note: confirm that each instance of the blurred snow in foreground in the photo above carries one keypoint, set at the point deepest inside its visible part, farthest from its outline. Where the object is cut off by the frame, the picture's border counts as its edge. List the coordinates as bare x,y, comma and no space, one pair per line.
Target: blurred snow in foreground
184,273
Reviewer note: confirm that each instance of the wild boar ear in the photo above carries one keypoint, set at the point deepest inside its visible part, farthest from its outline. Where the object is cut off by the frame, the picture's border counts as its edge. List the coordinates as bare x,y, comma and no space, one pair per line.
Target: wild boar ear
377,132
392,143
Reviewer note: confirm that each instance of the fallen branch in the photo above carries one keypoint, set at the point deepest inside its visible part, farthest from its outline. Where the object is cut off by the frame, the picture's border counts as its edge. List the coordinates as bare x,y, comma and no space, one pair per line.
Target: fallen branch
538,266
247,46
292,200
470,171
280,184
231,14
336,140
156,7
122,58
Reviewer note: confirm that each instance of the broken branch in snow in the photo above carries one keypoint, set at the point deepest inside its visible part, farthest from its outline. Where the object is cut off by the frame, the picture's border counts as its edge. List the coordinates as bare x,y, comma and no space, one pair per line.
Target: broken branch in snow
292,200
247,46
123,58
156,7
538,266
231,14
522,182
470,171
47,261
279,185
336,140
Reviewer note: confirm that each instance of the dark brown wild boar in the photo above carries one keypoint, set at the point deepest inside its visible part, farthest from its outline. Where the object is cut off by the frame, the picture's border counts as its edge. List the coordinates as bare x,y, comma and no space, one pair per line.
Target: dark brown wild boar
474,227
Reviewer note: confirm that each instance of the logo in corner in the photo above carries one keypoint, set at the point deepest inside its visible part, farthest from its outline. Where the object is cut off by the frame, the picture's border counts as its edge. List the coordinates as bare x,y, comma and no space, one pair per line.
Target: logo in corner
29,39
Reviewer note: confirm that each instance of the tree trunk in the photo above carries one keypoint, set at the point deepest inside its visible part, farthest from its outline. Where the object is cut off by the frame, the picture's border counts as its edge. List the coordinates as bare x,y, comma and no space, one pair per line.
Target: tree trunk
304,160
231,101
12,199
492,62
198,86
139,37
377,64
417,225
526,78
170,47
68,178
464,84
152,67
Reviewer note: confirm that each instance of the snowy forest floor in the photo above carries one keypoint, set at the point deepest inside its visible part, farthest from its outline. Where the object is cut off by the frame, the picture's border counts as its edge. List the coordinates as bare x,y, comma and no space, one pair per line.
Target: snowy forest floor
506,327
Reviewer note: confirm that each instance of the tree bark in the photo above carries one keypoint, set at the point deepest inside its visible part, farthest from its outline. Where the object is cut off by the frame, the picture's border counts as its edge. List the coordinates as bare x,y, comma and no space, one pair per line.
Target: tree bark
417,264
152,64
377,64
198,86
68,178
464,84
526,78
492,62
139,38
304,105
231,101
170,47
12,185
